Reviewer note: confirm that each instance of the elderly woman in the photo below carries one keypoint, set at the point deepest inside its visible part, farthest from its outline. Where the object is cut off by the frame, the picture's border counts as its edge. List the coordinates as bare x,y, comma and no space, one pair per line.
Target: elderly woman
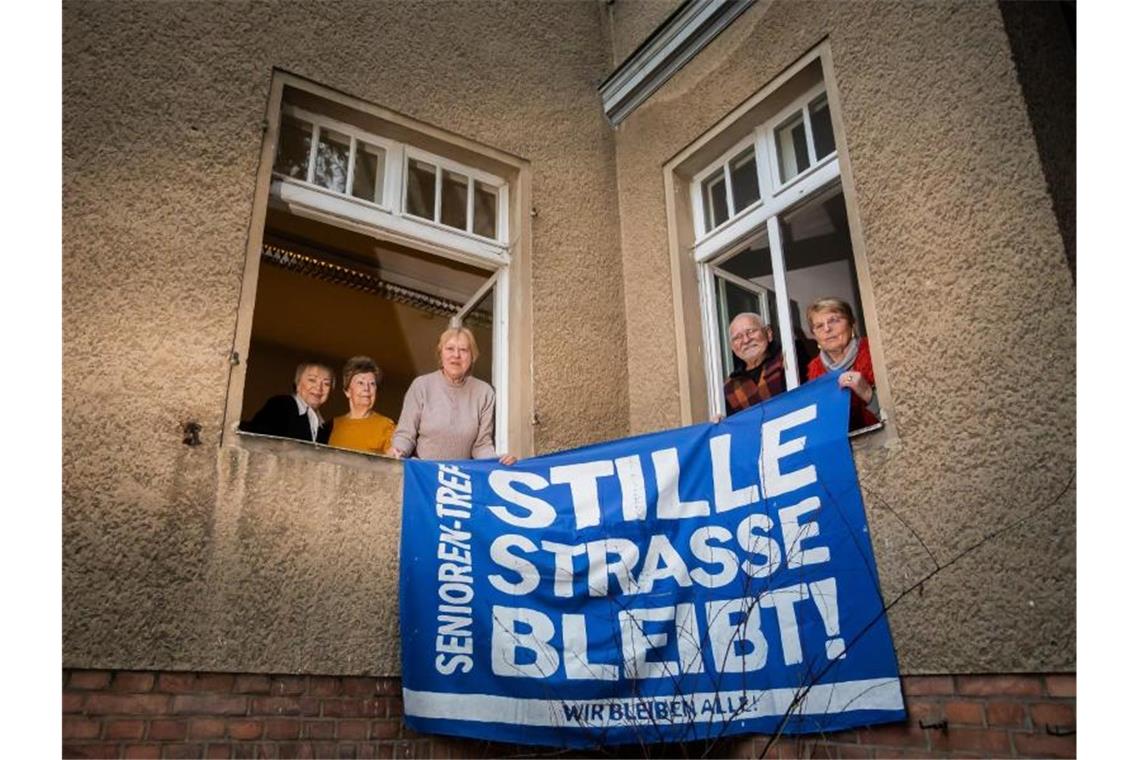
448,414
297,415
833,324
362,429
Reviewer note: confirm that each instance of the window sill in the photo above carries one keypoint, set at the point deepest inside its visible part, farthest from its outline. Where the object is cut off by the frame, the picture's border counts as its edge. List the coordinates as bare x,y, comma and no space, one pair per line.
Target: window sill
307,451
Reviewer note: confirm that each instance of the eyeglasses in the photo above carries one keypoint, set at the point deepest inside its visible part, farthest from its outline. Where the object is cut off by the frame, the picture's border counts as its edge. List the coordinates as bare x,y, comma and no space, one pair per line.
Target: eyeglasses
831,321
751,332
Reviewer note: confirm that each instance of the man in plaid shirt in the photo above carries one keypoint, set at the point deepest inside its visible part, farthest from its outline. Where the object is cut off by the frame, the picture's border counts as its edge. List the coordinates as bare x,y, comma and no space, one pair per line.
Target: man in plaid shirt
759,371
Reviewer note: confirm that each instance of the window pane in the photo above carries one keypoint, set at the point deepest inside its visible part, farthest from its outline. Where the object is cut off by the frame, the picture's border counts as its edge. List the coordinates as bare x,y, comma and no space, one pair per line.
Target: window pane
715,200
453,203
481,321
821,133
745,182
486,210
293,145
331,167
791,147
819,262
368,173
421,189
755,265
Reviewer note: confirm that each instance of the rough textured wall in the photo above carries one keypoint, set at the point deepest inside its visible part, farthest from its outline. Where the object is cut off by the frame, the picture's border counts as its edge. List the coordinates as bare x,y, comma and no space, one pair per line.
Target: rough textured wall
632,21
975,308
249,560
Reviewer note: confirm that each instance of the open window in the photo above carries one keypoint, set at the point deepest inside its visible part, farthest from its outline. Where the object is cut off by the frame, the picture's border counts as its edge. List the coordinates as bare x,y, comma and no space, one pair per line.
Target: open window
769,225
378,234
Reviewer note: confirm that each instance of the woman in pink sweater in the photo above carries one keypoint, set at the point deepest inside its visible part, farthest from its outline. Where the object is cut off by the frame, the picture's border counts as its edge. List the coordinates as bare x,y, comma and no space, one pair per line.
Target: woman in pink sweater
448,414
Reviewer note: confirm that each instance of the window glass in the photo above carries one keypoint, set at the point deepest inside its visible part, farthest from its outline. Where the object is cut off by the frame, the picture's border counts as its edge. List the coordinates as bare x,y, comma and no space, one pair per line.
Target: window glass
753,264
819,261
421,189
715,200
453,200
745,182
821,133
368,173
486,210
293,146
791,147
331,166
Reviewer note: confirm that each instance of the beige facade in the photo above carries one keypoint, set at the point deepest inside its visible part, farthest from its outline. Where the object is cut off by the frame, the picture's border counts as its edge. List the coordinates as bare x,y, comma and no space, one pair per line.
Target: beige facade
256,555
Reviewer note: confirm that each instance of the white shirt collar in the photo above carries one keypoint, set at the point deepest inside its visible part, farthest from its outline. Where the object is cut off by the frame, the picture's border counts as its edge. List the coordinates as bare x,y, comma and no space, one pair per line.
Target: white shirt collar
315,420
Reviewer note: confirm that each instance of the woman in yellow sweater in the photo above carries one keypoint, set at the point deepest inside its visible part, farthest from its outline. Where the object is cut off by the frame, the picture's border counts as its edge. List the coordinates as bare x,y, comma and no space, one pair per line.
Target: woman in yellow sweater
362,429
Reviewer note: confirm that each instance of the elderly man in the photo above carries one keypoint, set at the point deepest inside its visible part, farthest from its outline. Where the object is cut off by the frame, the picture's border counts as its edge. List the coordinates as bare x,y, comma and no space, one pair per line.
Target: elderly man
297,415
759,371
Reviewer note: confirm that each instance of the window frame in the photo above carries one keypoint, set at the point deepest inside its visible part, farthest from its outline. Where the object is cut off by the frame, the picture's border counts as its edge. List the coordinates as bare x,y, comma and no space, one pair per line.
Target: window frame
695,252
388,219
506,260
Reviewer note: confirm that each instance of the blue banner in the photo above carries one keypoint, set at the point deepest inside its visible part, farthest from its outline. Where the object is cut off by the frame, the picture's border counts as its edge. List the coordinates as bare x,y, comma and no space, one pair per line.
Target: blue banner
677,586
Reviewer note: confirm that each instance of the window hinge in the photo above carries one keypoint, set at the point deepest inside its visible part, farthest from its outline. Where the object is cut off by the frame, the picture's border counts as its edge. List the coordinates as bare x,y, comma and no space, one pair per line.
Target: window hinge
235,359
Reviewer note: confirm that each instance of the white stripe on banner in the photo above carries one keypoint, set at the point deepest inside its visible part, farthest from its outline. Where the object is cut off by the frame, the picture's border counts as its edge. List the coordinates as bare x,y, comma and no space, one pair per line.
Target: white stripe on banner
870,694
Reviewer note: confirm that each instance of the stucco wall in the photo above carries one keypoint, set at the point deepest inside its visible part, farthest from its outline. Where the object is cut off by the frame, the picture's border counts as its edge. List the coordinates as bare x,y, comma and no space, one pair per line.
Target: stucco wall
260,557
975,310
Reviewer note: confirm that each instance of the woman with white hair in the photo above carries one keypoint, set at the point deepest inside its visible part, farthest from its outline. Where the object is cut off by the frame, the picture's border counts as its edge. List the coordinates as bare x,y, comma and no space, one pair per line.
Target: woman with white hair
840,350
448,414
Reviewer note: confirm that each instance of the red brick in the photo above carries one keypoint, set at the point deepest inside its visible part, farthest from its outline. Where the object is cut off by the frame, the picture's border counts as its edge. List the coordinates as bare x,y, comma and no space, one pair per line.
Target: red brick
385,729
1061,685
360,687
282,728
322,686
1043,745
1053,714
217,752
395,708
175,683
895,734
294,751
319,729
127,704
283,685
999,686
72,702
964,713
182,751
208,704
1005,714
914,686
167,730
244,730
829,750
352,730
142,751
90,750
924,710
214,682
252,684
89,679
391,687
125,729
132,681
207,728
324,749
80,728
992,742
285,706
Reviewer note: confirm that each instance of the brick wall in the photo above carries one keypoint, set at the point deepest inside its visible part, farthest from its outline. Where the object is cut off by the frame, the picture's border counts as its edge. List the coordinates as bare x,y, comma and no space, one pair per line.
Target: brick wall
126,714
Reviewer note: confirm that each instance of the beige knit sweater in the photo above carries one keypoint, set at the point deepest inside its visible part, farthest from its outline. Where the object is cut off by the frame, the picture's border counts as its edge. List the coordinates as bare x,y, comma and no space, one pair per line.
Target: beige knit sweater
445,421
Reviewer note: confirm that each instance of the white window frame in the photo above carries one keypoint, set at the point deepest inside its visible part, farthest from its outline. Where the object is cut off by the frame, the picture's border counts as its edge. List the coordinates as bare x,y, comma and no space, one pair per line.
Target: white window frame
388,221
745,226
